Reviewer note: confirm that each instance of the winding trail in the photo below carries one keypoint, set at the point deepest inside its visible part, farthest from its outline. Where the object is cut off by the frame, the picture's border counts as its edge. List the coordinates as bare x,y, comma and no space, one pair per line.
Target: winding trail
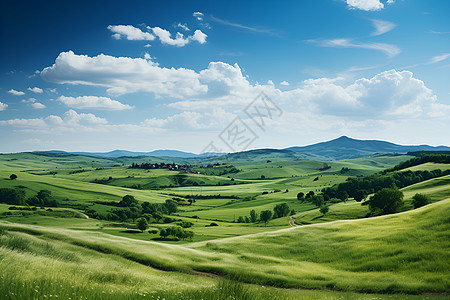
80,213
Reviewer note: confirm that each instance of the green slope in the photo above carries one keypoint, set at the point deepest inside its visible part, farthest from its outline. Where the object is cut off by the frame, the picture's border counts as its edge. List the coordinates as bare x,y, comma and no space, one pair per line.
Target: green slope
406,252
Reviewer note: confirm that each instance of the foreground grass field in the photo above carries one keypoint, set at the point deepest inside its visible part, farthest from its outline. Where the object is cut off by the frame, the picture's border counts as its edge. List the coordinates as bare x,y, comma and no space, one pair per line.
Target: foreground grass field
402,253
60,253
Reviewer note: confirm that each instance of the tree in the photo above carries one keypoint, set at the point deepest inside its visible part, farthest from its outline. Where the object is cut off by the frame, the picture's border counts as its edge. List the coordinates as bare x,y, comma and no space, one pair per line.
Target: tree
301,196
44,194
324,209
241,219
158,216
309,194
420,200
360,195
318,200
163,233
171,206
265,216
13,176
128,201
253,216
343,195
281,210
12,196
385,201
142,224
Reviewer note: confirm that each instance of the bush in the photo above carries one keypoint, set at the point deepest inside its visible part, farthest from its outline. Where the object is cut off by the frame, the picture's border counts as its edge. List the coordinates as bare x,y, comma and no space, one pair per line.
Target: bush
385,201
141,224
281,210
213,224
153,231
324,209
185,224
420,200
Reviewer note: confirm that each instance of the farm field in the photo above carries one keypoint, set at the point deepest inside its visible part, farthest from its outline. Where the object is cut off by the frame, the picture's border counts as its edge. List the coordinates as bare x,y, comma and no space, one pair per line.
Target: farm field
305,254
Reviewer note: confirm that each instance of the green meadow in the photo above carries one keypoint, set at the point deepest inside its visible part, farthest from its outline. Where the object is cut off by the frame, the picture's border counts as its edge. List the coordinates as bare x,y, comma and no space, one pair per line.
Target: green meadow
73,251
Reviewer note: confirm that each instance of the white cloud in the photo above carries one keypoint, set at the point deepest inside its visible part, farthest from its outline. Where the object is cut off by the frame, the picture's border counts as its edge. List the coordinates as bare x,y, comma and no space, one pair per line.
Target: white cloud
93,102
16,93
198,15
366,5
439,58
36,90
72,117
199,36
166,37
123,75
183,26
70,120
190,120
130,33
382,26
3,106
388,49
284,83
387,95
37,105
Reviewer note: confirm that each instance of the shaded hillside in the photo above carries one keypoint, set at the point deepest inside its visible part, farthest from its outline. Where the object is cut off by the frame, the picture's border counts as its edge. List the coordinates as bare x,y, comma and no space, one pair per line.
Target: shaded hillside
345,147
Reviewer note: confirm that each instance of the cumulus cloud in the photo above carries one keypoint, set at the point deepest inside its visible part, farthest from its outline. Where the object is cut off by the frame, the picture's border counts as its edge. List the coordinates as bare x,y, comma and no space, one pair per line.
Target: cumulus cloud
93,102
123,75
165,37
36,90
70,120
366,5
190,120
130,32
382,26
284,83
183,26
388,49
198,15
3,106
16,93
180,40
199,36
37,105
386,95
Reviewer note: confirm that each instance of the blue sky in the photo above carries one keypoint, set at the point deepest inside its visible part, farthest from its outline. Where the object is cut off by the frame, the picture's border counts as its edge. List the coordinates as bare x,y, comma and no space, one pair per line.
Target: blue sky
146,75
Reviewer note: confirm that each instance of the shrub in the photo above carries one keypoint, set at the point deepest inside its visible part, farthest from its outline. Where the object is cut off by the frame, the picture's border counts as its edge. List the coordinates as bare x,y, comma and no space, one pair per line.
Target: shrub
420,200
385,201
141,224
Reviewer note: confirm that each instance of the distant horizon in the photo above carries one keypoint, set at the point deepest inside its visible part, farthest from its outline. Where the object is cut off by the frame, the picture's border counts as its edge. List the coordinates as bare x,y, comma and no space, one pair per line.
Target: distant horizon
250,149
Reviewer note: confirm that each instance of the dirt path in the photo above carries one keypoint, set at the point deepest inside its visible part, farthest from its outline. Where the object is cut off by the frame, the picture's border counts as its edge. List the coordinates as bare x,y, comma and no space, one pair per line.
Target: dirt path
80,213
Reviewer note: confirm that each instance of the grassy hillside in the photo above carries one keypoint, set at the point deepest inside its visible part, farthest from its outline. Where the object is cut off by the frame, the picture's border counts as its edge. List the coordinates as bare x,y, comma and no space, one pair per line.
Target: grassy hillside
406,252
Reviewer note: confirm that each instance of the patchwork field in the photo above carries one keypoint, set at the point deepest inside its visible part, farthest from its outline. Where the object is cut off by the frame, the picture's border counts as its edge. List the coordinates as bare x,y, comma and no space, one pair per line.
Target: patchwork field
78,250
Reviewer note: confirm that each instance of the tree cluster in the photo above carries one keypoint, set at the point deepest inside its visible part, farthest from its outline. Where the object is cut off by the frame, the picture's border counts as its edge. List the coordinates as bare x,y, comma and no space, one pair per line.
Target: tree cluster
17,196
176,233
359,188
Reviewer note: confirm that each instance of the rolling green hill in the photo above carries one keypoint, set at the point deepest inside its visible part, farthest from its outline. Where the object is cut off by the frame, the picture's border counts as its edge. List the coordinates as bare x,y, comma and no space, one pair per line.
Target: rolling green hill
406,252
